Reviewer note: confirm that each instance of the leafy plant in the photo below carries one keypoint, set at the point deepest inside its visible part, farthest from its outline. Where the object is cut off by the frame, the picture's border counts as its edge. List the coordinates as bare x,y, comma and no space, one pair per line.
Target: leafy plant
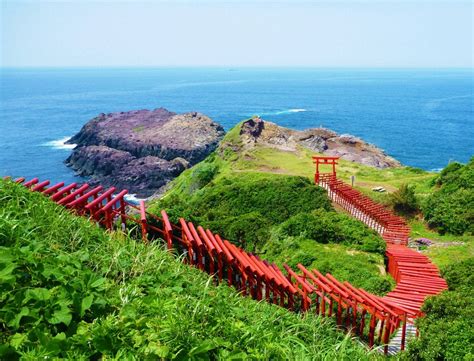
331,227
450,209
404,200
243,207
203,175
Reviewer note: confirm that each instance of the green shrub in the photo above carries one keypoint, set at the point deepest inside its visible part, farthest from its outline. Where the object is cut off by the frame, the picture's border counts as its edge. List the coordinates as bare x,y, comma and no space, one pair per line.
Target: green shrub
448,174
451,212
246,205
202,175
446,331
404,201
331,227
239,229
450,209
460,276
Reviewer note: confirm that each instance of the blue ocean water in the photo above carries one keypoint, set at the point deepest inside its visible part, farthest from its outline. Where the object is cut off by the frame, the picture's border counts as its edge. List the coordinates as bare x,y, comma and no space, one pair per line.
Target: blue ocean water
424,118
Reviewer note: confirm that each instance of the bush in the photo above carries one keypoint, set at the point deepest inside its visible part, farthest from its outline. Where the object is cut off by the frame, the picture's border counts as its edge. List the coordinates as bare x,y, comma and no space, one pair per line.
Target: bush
240,229
451,212
446,331
201,176
359,268
404,201
247,205
450,209
448,174
460,276
331,227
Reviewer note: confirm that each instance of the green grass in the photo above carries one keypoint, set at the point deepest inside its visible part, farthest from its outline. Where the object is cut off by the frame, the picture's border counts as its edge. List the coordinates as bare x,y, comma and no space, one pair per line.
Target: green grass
363,269
266,159
445,249
70,290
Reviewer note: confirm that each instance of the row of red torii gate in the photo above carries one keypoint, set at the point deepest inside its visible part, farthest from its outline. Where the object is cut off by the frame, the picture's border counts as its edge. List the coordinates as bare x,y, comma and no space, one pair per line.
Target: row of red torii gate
369,316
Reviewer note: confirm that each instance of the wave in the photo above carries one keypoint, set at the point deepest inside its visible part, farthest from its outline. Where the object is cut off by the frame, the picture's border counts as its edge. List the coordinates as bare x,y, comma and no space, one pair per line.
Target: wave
297,110
59,144
132,198
286,111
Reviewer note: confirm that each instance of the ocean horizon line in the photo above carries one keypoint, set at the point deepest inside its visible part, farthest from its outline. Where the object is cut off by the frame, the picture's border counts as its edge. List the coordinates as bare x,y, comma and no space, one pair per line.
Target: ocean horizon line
236,67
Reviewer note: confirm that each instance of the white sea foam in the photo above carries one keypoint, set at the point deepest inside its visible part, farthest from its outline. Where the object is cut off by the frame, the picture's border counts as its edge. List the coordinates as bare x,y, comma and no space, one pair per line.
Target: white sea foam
289,111
132,198
281,112
59,144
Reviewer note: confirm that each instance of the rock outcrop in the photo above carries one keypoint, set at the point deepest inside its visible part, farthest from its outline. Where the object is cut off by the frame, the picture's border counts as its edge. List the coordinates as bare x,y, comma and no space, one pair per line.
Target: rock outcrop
320,140
142,150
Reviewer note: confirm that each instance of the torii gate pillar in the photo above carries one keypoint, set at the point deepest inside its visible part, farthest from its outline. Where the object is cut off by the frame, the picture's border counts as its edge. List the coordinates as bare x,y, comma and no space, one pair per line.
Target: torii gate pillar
324,161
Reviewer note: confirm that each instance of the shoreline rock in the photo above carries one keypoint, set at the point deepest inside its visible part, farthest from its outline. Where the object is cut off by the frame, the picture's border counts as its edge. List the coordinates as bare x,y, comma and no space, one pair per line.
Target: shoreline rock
142,150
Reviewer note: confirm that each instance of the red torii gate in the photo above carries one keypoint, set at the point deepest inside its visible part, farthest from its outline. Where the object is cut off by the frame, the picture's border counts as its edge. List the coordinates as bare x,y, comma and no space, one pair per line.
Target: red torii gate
416,277
323,160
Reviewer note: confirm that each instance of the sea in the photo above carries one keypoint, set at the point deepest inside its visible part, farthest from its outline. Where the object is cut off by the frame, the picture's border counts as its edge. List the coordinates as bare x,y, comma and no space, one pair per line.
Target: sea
422,117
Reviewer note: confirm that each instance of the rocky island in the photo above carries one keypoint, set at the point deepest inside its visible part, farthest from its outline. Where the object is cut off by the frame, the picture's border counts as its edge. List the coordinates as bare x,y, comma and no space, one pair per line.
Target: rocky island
142,150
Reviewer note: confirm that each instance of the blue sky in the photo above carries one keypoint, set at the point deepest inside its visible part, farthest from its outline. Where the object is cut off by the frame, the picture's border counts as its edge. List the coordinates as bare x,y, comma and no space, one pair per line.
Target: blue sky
237,33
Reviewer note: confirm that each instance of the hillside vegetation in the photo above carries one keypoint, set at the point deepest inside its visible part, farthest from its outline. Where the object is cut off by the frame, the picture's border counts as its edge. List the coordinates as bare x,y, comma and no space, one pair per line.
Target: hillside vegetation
418,191
450,209
277,213
318,237
446,331
70,290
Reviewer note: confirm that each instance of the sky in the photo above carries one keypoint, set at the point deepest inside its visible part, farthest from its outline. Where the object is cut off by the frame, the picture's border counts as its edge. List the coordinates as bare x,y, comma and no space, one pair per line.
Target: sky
308,33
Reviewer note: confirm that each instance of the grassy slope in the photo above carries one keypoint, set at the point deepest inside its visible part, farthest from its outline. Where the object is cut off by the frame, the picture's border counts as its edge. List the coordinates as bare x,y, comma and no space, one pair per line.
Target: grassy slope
443,252
446,331
342,260
69,289
264,159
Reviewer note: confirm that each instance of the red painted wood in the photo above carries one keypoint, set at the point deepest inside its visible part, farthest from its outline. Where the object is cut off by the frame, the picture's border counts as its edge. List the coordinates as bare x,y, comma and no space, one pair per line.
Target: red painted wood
40,186
53,188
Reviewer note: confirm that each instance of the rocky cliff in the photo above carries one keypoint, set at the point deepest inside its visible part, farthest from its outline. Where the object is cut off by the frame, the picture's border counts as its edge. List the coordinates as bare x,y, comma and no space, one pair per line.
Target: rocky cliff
142,150
320,140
